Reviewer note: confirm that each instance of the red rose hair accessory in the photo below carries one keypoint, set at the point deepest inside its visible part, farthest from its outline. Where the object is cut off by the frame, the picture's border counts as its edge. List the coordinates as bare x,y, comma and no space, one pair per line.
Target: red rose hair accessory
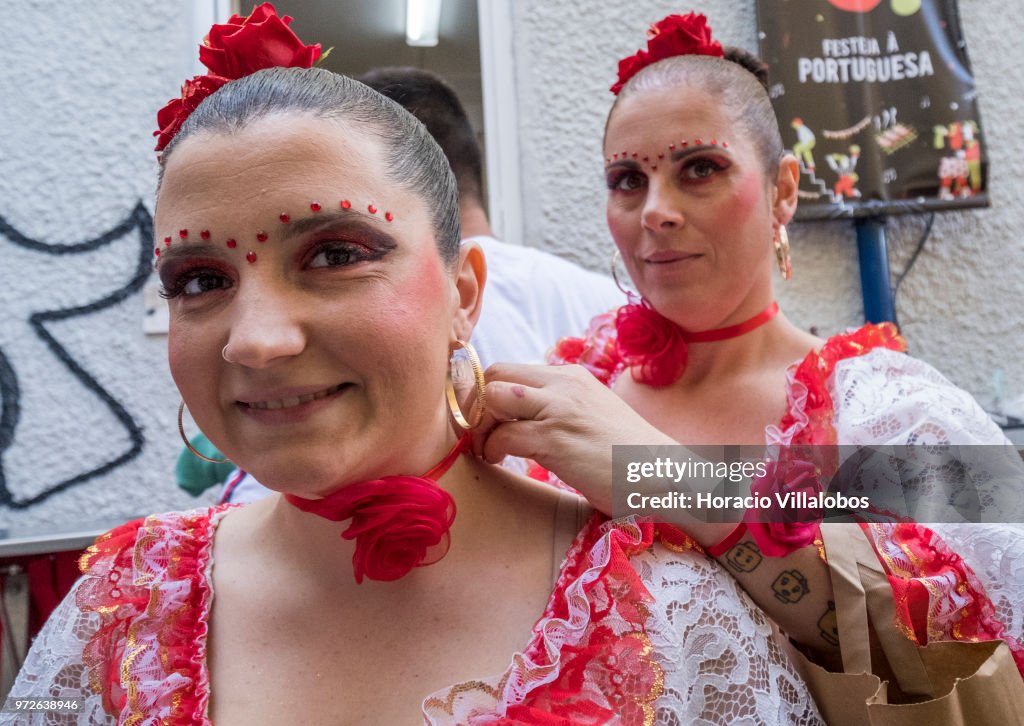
398,522
654,347
674,35
234,50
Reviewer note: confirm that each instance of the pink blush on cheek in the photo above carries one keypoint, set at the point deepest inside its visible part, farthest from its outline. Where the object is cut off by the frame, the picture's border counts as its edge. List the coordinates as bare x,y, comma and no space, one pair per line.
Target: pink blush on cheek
745,201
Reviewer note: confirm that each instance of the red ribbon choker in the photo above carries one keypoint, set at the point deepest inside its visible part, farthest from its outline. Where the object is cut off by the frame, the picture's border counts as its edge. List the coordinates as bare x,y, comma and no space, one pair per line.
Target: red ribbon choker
398,522
654,347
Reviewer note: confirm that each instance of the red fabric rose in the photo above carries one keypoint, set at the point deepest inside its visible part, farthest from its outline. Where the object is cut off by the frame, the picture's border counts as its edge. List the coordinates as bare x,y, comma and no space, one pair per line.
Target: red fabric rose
671,36
681,35
651,344
173,115
779,531
262,40
398,523
629,67
233,50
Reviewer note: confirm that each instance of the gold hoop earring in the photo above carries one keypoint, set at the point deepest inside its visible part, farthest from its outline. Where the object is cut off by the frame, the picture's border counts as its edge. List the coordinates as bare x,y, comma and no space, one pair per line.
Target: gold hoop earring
782,257
481,390
188,444
615,273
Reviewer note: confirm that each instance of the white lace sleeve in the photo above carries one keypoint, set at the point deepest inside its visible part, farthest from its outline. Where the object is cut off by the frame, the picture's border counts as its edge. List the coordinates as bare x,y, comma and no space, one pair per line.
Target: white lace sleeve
885,397
54,669
889,398
721,661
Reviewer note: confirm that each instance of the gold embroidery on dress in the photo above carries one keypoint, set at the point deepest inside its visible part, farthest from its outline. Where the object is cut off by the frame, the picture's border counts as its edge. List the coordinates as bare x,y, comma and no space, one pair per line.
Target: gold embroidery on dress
448,704
646,700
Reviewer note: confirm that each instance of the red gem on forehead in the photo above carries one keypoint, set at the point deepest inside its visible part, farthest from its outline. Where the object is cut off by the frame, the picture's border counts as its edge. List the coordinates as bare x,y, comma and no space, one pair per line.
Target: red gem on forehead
232,244
697,141
714,142
250,256
725,145
646,159
167,241
314,206
183,233
671,147
205,234
371,209
684,144
634,154
389,216
261,236
615,156
661,156
284,217
156,251
345,204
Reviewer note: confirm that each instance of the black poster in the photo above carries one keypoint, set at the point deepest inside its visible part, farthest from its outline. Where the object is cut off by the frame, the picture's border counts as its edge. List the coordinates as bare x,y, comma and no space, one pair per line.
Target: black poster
877,101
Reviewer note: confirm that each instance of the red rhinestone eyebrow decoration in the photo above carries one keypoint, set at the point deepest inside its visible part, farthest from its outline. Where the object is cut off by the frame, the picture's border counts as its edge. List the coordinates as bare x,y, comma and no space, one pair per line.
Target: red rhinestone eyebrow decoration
261,236
250,256
371,209
167,241
389,216
314,206
284,217
205,234
156,251
183,233
345,204
232,244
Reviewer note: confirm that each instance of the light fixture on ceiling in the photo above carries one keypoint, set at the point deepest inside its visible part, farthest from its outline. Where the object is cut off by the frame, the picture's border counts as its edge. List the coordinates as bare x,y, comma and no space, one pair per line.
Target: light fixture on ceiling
422,18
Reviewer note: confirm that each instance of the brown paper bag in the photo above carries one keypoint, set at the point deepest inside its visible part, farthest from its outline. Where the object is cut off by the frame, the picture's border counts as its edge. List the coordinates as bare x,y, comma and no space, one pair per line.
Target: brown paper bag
889,680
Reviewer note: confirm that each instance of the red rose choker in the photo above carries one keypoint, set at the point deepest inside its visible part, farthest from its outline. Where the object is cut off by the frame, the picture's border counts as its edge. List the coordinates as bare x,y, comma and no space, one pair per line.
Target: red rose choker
398,522
655,348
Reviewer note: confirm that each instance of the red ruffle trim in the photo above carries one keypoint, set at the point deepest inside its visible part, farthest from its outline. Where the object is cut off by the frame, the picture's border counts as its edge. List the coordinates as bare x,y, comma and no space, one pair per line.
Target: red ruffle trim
815,371
146,581
610,673
938,596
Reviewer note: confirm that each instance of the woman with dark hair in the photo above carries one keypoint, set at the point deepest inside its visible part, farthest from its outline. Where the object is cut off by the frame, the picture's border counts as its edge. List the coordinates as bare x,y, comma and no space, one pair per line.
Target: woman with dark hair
307,240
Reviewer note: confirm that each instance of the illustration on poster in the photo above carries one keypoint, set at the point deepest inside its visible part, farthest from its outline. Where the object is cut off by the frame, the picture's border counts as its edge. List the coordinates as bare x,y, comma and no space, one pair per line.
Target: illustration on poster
900,7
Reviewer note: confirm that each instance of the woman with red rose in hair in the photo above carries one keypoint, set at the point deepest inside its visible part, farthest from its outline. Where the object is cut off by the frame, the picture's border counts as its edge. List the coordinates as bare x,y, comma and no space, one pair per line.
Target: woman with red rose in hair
699,192
306,236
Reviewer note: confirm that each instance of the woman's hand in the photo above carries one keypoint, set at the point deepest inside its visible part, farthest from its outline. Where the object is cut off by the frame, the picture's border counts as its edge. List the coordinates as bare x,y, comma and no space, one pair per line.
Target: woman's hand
564,419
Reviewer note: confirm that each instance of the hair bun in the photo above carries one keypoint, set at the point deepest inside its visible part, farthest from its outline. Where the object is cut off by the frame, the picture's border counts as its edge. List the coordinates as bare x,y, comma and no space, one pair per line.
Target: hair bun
749,61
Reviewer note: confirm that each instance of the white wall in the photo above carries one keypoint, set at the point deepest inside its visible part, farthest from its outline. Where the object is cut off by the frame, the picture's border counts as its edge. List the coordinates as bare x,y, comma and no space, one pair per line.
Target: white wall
80,88
960,307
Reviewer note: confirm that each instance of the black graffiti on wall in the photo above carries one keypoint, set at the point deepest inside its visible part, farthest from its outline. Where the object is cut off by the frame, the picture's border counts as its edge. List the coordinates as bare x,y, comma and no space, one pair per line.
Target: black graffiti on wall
140,221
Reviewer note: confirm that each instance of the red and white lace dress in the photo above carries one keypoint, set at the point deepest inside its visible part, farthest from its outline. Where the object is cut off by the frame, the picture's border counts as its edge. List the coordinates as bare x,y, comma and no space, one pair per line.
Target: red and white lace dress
639,629
860,389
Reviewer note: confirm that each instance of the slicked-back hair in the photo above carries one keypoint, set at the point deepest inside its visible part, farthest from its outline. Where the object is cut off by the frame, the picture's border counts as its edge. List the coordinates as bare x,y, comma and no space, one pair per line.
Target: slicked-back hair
739,81
413,160
427,97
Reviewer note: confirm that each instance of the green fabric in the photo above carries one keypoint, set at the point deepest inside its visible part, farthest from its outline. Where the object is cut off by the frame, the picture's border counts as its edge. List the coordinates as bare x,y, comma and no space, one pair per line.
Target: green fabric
194,475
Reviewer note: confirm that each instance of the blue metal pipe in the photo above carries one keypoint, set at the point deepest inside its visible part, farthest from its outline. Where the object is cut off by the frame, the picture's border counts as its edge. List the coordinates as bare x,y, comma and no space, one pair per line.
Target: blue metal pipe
874,270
